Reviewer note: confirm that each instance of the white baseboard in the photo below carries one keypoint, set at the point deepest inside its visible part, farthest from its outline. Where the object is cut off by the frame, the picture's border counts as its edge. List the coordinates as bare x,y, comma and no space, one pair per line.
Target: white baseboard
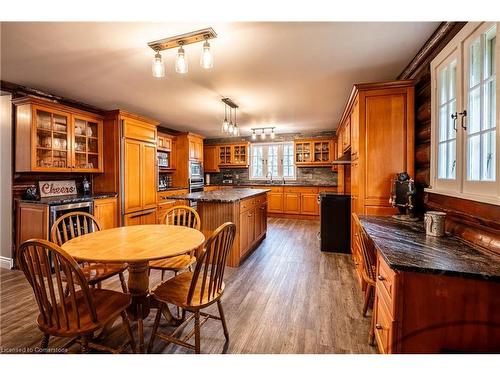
6,262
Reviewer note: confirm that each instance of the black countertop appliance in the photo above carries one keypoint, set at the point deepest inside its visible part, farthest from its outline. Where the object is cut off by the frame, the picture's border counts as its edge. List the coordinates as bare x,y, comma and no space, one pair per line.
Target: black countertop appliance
335,222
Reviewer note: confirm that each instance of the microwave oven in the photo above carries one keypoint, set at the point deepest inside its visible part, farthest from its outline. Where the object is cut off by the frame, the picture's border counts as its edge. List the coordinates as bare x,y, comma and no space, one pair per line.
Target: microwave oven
163,159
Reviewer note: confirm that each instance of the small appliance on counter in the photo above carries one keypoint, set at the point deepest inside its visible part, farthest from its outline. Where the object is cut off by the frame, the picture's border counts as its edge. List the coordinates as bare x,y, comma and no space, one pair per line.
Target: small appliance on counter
207,178
164,181
402,194
227,178
86,186
335,222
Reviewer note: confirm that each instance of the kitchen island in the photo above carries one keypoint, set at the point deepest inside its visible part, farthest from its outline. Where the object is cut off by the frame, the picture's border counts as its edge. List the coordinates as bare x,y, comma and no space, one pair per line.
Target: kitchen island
247,208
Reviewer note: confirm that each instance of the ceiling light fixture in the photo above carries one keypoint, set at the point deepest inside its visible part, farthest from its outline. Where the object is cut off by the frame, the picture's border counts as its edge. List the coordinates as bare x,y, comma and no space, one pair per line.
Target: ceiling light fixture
181,62
262,132
207,59
230,128
158,67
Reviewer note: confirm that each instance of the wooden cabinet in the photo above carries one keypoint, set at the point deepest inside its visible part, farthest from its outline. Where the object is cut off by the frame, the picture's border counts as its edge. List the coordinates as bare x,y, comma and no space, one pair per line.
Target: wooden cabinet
55,138
309,204
106,212
32,221
275,202
139,175
253,222
195,147
165,202
291,203
188,147
235,155
315,152
164,142
380,117
211,158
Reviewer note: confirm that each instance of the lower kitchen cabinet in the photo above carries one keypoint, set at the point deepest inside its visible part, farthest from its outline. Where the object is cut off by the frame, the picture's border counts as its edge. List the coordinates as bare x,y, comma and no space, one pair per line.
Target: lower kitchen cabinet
106,212
309,204
291,203
275,201
247,230
140,218
32,221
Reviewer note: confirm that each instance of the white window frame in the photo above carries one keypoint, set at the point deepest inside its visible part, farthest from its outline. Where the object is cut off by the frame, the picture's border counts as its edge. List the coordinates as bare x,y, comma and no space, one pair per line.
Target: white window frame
481,191
265,164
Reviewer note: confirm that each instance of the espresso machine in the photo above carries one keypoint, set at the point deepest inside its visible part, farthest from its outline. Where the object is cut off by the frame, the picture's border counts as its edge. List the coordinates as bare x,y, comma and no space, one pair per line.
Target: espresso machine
403,193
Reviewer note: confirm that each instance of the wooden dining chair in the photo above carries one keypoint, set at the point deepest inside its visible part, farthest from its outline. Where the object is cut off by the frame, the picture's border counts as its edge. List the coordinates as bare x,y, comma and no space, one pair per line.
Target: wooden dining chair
194,291
369,271
79,313
187,217
74,224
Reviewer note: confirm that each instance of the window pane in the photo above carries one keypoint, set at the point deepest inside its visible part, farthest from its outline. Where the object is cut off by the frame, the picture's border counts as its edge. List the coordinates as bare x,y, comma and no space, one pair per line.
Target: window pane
272,160
452,133
452,80
474,110
442,161
257,162
490,105
489,59
451,160
489,156
473,168
475,63
443,121
443,83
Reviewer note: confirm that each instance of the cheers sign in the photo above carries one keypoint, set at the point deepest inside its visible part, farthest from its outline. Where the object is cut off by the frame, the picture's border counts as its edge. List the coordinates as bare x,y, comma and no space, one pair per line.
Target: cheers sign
55,188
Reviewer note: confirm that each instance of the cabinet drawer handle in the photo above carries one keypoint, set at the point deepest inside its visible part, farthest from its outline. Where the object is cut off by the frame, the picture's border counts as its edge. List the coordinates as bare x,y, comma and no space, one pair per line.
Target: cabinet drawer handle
381,278
378,326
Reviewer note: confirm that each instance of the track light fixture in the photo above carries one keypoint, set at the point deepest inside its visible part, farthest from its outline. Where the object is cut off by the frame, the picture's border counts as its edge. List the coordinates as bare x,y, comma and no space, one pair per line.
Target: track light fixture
179,41
262,132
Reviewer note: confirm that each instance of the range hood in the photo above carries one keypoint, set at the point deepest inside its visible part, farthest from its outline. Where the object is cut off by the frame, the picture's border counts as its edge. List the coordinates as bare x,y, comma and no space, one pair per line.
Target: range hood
344,159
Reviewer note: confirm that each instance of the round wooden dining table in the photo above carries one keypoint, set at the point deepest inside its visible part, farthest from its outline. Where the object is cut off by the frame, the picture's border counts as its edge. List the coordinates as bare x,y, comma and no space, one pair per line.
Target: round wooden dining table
135,245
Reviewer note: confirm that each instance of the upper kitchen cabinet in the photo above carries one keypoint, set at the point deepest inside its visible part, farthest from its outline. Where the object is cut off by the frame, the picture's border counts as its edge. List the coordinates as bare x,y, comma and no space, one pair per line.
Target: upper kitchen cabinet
52,137
188,148
234,155
211,158
315,152
195,147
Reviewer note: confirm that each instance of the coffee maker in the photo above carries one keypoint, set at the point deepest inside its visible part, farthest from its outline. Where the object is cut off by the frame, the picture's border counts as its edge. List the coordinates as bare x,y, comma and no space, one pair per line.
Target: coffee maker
403,193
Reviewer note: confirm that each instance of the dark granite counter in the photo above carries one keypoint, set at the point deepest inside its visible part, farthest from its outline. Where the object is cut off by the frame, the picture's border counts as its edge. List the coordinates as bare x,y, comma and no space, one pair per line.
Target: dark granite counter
288,183
67,199
222,195
171,188
406,247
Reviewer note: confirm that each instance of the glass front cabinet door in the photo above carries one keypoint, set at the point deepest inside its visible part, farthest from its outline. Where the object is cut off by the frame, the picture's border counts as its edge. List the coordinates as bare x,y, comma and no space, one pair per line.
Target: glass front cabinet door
52,138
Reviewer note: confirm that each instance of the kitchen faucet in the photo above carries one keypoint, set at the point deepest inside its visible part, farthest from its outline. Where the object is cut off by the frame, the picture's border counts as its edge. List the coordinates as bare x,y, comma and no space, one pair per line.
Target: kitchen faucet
269,174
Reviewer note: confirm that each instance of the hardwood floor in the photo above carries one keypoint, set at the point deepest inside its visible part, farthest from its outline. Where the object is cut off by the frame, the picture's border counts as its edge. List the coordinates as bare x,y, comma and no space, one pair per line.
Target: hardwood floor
287,297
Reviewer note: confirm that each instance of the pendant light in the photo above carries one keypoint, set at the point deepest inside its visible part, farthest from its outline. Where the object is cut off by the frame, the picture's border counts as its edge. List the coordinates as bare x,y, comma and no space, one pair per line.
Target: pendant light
158,67
207,59
272,133
181,63
236,131
263,134
225,123
254,135
231,125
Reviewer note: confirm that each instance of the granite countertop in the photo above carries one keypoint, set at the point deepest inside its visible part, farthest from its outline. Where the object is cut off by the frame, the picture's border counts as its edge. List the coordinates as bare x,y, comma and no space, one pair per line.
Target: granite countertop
66,199
264,183
406,247
223,195
171,188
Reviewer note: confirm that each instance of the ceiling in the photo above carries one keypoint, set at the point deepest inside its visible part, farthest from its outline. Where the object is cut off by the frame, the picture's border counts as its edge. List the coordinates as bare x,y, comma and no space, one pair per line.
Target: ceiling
295,76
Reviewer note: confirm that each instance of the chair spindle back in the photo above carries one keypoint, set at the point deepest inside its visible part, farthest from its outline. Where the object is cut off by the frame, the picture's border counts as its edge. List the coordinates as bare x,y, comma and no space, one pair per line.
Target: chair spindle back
184,216
211,263
71,225
57,310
